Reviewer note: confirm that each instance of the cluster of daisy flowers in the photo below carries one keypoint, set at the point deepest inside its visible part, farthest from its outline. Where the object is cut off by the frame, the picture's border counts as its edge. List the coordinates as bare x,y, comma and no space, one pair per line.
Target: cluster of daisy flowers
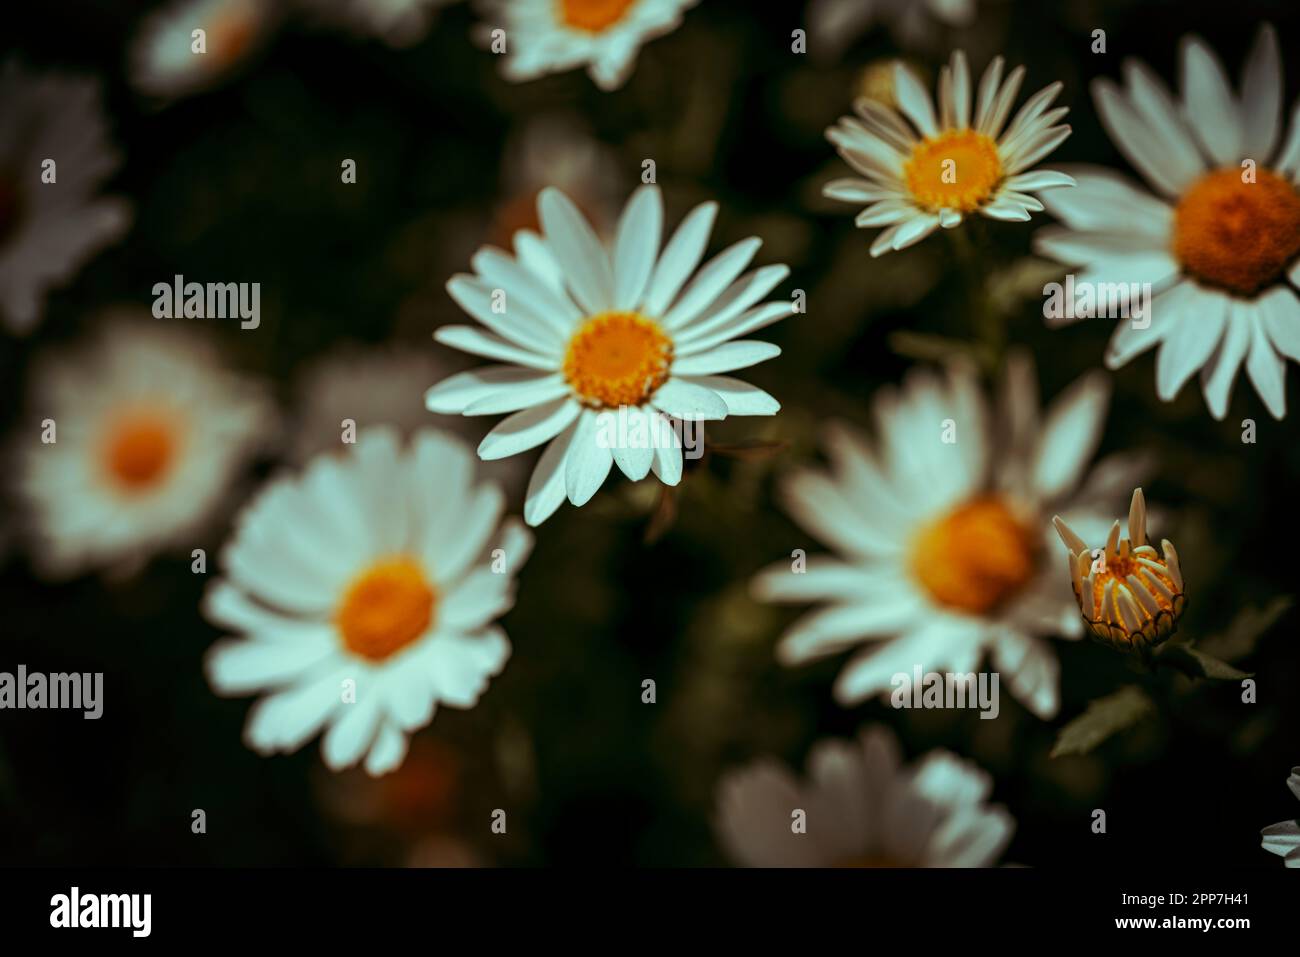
362,590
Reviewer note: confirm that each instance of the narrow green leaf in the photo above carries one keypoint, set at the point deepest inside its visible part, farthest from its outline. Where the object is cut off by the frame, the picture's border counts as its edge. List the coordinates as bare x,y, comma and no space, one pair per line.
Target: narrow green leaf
1198,664
1103,718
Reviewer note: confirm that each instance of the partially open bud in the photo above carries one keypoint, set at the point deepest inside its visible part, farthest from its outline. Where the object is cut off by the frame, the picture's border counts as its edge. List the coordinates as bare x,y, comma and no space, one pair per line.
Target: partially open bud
1130,595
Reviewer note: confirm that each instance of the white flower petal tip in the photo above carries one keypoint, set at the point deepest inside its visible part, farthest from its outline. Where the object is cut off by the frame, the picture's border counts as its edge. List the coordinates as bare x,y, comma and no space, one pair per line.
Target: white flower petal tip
1131,596
623,334
361,595
1072,541
908,157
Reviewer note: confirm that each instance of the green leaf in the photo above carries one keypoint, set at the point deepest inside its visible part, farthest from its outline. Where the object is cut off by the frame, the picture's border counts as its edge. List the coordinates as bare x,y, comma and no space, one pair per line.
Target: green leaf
1250,624
1197,663
1103,718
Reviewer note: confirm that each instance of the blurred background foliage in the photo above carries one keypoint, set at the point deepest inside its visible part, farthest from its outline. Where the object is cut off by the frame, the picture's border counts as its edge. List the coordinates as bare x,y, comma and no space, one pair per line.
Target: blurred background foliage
242,184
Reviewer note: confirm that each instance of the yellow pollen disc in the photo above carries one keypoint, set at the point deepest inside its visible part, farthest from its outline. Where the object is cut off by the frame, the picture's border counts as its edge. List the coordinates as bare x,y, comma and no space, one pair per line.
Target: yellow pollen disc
617,358
974,558
1119,568
140,449
959,169
593,16
386,607
1239,236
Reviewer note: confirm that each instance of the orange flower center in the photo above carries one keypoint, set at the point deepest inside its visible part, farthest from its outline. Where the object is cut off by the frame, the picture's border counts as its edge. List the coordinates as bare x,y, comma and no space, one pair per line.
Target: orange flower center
617,358
1118,568
974,558
959,169
1239,236
593,16
386,607
140,449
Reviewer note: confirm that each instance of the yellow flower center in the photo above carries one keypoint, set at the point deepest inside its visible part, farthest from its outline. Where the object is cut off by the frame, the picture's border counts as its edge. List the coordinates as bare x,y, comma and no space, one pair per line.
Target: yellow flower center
1239,236
593,16
958,169
139,449
386,607
617,358
1117,568
975,557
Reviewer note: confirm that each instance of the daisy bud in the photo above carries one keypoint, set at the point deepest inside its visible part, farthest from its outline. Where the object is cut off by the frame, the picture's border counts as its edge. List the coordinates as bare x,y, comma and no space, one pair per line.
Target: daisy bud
1130,595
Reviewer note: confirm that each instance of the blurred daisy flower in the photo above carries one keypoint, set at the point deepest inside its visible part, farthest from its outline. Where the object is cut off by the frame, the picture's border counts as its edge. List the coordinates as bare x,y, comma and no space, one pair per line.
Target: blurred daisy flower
1130,595
834,25
862,808
556,151
164,62
48,229
399,23
146,433
1283,839
585,330
552,36
943,167
1218,242
943,532
362,593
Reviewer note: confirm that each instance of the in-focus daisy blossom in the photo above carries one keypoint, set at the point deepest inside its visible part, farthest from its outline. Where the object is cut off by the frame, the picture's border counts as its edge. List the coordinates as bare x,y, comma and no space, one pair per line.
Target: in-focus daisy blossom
942,529
1130,595
1219,239
163,61
362,595
149,432
943,167
588,333
863,808
552,36
48,229
1283,838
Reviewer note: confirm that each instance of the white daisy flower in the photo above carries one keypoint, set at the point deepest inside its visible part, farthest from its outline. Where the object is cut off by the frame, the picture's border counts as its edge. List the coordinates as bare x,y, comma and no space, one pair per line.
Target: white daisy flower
48,230
553,36
363,593
943,167
1283,838
1219,239
834,25
862,808
399,23
943,531
585,329
164,63
148,433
